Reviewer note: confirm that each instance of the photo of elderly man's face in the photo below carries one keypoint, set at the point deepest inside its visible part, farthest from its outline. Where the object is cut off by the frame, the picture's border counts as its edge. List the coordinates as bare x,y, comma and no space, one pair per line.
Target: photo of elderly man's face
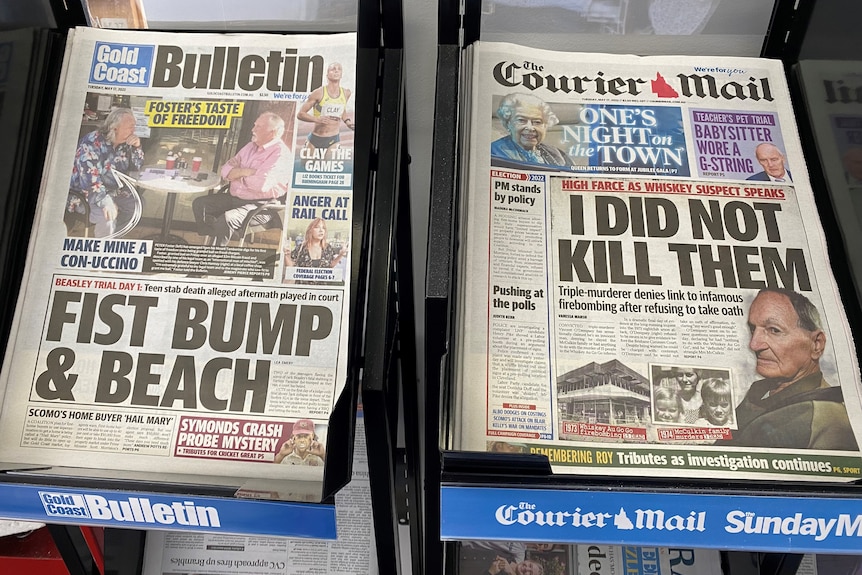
783,349
771,160
527,127
124,130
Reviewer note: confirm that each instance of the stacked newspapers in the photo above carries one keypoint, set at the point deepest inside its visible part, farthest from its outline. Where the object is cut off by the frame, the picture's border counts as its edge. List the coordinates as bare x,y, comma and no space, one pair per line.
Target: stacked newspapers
184,305
643,279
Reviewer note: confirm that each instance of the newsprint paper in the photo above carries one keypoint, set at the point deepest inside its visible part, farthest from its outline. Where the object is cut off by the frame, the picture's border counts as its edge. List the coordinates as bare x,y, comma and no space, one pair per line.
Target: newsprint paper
502,557
352,553
645,287
185,301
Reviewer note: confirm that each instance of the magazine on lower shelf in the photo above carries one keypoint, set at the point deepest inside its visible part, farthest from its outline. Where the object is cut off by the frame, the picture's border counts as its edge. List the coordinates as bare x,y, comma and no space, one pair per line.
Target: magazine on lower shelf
644,281
184,305
515,557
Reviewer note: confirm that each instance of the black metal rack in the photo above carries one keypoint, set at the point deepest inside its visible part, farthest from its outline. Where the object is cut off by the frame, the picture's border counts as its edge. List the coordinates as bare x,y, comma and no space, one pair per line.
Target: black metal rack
478,474
389,387
382,363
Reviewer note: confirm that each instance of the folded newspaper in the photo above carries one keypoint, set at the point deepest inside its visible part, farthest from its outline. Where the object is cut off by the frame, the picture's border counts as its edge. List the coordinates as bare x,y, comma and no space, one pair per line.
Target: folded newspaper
184,306
644,285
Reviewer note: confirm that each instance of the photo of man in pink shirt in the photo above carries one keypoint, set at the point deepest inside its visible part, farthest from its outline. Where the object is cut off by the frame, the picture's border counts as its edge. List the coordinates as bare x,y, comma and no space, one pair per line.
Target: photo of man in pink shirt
259,172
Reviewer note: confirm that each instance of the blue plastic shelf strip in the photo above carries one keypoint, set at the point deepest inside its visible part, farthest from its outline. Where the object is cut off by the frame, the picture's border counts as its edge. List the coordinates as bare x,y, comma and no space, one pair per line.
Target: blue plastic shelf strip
753,523
125,509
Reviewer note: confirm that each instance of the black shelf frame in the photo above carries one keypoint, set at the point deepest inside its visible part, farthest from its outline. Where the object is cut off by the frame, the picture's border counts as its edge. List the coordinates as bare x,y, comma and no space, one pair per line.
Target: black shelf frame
445,468
388,370
338,470
382,355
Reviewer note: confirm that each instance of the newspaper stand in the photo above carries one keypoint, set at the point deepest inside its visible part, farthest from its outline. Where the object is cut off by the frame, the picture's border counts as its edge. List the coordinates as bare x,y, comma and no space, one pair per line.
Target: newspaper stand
389,391
466,487
380,355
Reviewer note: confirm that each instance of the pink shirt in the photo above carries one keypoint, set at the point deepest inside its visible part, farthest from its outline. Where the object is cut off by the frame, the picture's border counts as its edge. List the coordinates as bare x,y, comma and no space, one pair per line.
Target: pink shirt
273,163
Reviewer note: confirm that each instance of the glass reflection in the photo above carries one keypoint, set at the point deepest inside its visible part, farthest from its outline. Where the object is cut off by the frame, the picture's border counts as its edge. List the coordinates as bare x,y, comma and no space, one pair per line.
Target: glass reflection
276,15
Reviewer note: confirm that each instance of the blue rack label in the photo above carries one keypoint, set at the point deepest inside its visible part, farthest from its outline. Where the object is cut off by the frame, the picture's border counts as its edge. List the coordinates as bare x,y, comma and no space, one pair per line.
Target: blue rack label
137,509
765,523
121,64
166,511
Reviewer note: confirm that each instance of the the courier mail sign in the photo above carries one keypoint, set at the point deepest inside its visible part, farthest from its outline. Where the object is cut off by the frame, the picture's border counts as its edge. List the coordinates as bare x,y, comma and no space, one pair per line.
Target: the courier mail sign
762,523
121,64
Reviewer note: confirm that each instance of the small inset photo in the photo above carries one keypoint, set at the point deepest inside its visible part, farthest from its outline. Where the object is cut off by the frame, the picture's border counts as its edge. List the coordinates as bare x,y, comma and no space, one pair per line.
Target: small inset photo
506,447
690,395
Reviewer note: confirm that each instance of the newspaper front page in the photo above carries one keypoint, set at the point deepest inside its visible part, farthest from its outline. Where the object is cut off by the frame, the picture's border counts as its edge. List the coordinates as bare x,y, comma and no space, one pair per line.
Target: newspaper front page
645,286
184,306
500,557
352,553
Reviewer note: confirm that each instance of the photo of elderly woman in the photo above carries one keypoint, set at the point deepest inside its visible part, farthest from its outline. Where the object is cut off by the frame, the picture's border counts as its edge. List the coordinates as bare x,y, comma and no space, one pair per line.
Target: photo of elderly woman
526,119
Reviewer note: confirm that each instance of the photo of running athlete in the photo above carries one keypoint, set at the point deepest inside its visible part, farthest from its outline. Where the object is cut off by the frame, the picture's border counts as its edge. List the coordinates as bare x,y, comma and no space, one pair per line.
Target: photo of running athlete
326,108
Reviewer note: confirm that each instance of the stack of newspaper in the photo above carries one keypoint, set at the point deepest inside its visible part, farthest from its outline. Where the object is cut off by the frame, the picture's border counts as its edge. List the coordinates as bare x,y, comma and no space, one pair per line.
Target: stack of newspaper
643,277
184,305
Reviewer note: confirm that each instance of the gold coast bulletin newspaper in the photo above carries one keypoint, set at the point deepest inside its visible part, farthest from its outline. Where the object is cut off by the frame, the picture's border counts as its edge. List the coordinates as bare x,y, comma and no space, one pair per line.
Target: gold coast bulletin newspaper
184,306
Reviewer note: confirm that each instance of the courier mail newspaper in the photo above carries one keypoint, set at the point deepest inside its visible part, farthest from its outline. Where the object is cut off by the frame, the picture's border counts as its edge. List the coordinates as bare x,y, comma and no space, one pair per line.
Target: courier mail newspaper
645,282
185,299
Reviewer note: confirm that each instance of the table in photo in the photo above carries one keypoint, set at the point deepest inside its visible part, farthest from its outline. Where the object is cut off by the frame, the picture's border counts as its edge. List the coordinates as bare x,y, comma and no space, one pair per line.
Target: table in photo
173,182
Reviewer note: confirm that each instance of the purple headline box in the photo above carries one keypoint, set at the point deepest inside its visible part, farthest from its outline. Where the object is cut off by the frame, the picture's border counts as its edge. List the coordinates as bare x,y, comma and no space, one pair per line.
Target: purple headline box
734,118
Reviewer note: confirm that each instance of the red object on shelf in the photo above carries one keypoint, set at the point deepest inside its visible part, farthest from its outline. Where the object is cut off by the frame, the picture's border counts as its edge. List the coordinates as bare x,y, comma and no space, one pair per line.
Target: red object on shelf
34,554
95,538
